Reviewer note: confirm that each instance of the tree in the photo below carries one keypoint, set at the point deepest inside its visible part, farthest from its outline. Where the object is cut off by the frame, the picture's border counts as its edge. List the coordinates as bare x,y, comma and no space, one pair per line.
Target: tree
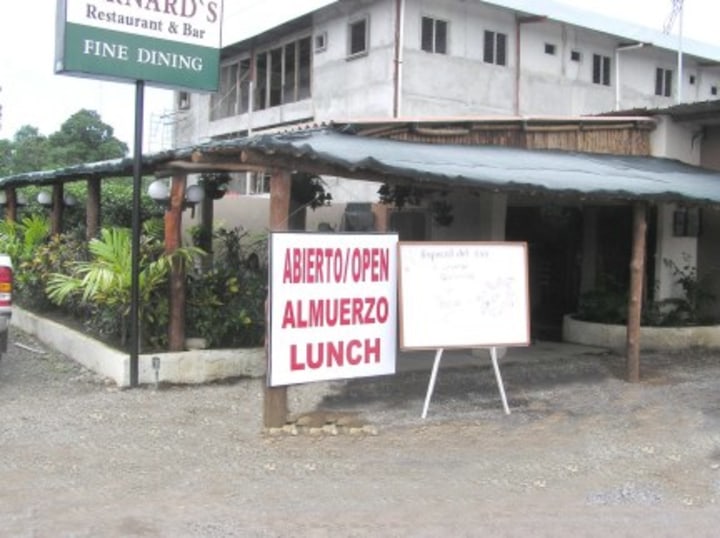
30,151
84,138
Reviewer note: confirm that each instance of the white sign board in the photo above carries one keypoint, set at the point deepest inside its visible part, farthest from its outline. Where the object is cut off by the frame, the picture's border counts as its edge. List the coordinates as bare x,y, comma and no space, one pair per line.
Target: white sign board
333,306
463,294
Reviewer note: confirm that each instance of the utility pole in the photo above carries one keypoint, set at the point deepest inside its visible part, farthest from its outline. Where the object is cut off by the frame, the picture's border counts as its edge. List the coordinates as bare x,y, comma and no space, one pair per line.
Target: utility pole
677,13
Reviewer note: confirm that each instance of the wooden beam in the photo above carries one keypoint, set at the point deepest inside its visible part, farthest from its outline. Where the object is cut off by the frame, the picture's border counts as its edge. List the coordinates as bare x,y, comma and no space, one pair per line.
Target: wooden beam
173,235
275,408
637,273
224,164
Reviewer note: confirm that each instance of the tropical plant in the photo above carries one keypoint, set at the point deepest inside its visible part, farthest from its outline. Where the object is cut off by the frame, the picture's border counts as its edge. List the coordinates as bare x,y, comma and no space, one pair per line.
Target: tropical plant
226,303
104,281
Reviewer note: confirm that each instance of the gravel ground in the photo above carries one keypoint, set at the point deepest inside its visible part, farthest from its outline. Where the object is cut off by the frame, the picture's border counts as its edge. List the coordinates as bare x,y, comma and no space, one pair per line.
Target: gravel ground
583,453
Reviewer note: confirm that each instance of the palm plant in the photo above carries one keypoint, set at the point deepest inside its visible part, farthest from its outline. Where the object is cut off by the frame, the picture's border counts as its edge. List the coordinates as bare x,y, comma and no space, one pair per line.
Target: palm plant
104,282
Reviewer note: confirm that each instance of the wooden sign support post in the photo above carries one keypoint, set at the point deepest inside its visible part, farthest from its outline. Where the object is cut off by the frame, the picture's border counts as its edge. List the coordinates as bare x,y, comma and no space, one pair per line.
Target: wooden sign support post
275,398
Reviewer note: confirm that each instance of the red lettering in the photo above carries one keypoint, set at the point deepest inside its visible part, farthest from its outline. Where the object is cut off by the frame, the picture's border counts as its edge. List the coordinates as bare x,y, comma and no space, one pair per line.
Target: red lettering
373,349
316,313
287,269
288,316
344,311
365,263
357,310
369,303
384,265
297,265
357,357
335,354
315,362
382,314
294,364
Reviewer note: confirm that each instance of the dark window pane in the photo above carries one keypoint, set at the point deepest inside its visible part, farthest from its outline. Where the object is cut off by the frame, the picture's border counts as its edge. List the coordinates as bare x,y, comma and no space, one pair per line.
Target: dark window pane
606,70
261,81
276,77
659,74
305,69
501,47
441,37
426,39
489,47
596,68
244,93
358,37
668,83
290,74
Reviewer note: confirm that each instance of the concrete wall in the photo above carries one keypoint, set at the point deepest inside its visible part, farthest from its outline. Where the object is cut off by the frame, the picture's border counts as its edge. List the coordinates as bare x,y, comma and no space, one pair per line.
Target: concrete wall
459,82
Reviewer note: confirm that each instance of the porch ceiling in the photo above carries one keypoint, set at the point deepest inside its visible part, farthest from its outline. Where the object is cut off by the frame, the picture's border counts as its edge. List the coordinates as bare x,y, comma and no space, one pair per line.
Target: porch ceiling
488,168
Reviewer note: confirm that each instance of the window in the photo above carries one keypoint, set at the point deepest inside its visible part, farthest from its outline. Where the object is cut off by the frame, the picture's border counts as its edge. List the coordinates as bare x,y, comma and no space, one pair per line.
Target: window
321,42
713,90
233,92
495,48
692,80
248,183
601,69
434,35
183,100
575,55
550,49
663,82
358,37
282,74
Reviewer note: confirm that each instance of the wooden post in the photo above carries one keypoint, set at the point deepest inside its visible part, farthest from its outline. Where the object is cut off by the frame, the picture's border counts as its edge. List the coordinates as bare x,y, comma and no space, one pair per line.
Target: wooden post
173,239
92,209
11,207
275,398
637,273
207,207
58,204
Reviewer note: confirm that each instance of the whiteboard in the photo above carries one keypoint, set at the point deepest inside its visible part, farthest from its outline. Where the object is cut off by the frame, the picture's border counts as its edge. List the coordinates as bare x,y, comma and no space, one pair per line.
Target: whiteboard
463,294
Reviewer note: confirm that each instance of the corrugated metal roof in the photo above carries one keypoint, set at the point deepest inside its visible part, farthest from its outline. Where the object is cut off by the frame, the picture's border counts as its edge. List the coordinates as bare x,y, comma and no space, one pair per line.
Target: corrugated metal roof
506,169
257,18
487,168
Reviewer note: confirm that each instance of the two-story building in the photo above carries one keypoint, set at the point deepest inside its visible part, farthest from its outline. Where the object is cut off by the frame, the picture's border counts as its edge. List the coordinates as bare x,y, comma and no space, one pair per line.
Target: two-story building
420,60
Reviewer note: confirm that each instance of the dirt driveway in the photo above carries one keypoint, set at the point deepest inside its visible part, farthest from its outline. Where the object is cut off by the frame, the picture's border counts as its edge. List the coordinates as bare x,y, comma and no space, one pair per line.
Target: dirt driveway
582,454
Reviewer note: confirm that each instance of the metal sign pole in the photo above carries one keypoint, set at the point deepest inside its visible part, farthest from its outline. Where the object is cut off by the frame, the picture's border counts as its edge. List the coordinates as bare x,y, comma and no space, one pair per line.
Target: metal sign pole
135,257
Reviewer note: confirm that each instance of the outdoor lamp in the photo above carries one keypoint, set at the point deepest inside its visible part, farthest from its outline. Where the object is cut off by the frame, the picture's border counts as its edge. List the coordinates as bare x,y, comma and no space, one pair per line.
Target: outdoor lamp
44,198
159,191
20,199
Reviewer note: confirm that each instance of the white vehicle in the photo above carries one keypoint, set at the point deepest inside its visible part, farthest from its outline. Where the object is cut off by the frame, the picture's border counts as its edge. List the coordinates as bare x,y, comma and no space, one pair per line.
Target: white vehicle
6,286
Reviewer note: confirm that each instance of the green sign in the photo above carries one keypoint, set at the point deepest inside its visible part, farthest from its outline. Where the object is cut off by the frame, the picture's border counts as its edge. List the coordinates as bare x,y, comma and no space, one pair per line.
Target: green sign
166,43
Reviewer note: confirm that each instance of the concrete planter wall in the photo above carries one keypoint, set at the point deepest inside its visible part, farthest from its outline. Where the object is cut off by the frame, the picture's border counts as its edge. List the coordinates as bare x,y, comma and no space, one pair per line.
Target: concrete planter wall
187,367
655,338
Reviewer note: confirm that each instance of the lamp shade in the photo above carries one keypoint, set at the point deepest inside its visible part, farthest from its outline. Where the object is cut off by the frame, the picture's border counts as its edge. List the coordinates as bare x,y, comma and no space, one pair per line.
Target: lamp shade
194,194
158,191
3,198
69,200
21,199
44,198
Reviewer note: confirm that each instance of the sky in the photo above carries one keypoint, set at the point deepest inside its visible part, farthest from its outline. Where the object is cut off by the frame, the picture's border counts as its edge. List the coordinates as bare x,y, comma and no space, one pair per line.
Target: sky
31,94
